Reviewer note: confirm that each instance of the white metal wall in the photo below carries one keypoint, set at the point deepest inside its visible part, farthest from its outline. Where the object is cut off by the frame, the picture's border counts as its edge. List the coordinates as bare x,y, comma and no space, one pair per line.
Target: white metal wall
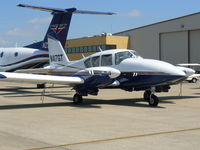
174,47
176,40
194,46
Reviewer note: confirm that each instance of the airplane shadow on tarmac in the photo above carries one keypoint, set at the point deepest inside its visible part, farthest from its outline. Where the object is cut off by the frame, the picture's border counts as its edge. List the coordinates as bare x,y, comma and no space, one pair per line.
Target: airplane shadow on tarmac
87,103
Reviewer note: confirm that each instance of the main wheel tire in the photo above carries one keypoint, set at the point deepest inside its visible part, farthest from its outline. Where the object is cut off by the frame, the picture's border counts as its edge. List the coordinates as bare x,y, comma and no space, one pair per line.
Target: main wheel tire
147,95
77,99
194,80
153,100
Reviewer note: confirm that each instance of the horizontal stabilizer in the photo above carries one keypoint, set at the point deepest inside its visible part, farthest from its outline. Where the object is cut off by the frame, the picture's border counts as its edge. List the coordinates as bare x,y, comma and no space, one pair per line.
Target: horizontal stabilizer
70,10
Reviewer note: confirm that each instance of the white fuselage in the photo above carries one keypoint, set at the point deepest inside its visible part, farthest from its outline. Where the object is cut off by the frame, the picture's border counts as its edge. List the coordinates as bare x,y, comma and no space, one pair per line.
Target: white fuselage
133,64
21,57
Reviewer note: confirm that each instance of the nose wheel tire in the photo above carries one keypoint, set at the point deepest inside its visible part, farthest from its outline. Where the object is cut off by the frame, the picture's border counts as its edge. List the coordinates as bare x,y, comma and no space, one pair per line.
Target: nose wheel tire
77,99
153,100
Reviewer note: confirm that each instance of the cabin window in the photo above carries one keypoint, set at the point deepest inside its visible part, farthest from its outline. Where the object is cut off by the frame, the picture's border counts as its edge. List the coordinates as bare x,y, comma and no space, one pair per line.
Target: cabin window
87,63
16,54
119,57
1,55
95,61
106,60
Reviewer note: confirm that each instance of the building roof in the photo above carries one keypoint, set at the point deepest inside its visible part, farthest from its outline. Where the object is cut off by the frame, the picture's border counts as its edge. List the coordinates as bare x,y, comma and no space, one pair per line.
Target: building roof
158,23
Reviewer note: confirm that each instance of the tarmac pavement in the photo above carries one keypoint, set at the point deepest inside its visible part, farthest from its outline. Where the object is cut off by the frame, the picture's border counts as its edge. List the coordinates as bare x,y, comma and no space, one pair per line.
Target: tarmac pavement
113,120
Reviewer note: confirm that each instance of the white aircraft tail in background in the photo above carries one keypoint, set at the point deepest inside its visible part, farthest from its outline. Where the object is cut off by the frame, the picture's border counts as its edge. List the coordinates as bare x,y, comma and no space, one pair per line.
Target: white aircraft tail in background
57,56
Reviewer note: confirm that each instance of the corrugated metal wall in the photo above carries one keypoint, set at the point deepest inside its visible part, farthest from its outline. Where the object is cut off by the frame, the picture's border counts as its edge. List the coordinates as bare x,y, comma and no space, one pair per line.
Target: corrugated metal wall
174,47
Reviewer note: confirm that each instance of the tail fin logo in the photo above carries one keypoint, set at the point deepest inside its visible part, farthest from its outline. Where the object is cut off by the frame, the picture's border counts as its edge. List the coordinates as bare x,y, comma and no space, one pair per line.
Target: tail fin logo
57,28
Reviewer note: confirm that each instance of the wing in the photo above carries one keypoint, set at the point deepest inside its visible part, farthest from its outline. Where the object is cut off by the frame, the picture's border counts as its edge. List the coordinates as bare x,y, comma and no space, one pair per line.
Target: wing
70,10
40,79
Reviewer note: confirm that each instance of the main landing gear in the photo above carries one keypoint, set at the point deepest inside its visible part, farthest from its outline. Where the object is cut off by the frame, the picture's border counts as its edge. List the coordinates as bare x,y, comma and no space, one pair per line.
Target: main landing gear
151,98
148,96
77,99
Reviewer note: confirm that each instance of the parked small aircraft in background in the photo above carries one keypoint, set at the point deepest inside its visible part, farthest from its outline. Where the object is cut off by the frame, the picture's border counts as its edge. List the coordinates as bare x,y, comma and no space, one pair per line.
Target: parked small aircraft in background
194,77
36,54
124,69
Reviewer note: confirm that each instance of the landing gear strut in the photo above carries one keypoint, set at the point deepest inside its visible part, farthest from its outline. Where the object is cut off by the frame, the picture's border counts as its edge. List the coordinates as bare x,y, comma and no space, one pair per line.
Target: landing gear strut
151,98
77,99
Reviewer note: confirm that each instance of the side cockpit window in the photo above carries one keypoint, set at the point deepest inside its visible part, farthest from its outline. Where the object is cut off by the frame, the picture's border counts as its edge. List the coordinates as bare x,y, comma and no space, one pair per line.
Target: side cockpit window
106,60
87,63
16,54
1,54
119,57
95,61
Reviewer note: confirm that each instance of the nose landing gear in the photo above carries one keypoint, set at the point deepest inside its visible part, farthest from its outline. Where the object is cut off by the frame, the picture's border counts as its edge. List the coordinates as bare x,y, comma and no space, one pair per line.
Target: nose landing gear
151,98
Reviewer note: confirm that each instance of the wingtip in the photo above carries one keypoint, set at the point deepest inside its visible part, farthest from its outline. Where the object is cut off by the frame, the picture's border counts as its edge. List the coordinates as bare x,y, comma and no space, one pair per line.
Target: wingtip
21,5
2,76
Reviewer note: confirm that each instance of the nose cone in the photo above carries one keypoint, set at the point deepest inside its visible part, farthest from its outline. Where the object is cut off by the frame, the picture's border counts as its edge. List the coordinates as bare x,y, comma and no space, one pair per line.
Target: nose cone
165,71
188,71
151,72
169,69
161,67
170,73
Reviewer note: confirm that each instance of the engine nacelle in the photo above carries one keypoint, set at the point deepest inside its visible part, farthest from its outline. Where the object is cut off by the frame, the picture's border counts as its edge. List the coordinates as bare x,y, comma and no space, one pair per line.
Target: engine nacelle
111,72
188,71
95,78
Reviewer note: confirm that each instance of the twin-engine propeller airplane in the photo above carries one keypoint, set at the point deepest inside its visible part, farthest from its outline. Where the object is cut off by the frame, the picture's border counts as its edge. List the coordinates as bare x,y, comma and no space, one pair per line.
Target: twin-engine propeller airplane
116,68
36,54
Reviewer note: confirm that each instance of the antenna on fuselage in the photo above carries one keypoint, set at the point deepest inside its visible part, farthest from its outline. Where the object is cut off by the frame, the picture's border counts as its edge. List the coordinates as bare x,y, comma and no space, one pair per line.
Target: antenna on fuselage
100,49
83,55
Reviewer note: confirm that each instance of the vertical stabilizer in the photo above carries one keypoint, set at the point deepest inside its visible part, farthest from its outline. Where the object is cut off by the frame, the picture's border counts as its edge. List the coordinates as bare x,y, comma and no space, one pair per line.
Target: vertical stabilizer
59,25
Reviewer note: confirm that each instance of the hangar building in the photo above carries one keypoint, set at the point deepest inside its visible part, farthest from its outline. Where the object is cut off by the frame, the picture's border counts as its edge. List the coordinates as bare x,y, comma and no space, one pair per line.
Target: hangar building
175,41
76,48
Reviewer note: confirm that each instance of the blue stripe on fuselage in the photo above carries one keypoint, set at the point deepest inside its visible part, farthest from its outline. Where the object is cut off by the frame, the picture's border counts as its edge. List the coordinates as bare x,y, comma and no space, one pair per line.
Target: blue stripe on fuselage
26,59
148,80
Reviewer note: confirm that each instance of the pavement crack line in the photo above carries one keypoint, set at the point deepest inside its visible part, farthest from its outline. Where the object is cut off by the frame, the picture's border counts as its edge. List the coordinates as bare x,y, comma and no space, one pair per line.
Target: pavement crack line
114,139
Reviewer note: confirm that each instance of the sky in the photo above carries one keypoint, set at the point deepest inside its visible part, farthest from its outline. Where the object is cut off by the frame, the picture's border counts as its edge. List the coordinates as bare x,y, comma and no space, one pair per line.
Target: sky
23,26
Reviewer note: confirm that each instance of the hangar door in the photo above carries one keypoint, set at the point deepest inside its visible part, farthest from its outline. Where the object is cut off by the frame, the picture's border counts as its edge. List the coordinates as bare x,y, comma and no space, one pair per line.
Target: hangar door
174,47
195,46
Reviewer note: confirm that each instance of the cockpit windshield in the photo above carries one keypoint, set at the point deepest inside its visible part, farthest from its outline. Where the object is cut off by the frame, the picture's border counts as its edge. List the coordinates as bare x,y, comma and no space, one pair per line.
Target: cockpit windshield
136,54
120,56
